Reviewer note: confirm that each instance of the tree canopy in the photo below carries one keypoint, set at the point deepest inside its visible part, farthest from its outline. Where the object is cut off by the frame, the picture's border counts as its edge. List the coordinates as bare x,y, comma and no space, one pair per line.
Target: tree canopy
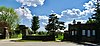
54,23
9,16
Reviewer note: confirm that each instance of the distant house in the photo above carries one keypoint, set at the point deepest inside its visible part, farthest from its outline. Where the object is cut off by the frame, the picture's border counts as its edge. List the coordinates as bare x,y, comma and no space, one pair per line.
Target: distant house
82,32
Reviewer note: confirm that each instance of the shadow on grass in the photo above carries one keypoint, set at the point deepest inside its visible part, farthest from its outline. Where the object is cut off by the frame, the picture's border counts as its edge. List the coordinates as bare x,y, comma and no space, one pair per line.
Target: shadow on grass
20,40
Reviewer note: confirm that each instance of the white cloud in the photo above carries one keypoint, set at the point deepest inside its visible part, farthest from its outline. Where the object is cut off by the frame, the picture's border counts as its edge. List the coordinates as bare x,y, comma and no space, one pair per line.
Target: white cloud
41,29
89,5
77,13
58,15
43,17
52,10
24,13
43,20
74,13
33,3
44,23
94,1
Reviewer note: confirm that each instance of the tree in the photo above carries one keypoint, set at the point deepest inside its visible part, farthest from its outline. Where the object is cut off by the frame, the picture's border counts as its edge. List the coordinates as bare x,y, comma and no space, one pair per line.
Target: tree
60,25
9,16
35,23
54,24
95,17
91,21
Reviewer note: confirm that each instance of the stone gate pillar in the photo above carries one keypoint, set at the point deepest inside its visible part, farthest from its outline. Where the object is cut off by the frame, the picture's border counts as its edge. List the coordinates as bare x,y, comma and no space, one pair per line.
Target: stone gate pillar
53,35
66,35
5,33
24,30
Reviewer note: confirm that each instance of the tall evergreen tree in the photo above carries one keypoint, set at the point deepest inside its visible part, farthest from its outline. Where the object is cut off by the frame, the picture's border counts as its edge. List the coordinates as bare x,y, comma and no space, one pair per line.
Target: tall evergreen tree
35,24
96,16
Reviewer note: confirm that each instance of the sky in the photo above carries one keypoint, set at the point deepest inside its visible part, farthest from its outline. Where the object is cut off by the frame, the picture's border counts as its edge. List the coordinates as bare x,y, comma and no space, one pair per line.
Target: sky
65,10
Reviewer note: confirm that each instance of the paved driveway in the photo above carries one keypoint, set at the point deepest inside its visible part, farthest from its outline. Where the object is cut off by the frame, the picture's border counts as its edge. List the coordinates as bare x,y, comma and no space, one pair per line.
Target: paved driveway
37,44
7,42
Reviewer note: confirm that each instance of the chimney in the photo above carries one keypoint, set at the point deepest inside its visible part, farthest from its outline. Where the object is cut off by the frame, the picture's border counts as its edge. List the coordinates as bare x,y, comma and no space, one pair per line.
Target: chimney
78,22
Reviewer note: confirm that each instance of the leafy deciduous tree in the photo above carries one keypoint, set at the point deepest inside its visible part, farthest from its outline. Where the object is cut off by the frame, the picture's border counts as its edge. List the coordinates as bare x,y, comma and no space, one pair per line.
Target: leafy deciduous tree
9,16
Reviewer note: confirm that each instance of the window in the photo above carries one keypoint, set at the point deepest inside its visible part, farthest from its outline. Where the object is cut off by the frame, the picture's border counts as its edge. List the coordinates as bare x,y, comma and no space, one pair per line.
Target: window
72,32
83,32
75,32
88,33
93,32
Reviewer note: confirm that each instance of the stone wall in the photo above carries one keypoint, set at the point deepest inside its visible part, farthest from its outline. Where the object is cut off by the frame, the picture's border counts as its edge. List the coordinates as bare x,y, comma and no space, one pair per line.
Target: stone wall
26,36
41,38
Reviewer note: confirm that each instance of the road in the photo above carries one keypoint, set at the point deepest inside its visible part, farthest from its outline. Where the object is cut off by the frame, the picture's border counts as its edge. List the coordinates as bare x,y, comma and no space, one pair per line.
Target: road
8,42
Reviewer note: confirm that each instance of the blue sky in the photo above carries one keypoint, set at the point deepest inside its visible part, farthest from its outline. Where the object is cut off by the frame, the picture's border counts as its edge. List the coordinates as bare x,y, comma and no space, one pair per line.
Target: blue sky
66,10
